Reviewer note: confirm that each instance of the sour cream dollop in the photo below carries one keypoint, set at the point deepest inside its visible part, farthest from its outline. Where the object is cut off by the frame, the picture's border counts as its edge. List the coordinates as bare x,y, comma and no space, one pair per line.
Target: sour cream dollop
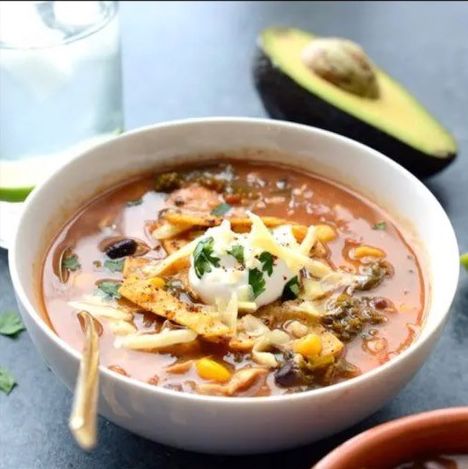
228,271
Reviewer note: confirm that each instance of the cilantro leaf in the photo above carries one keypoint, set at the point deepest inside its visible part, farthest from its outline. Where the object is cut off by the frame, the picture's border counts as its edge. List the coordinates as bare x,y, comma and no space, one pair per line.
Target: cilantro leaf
114,265
464,260
203,257
134,203
221,209
381,225
256,281
291,289
267,262
237,252
110,288
10,323
7,382
71,262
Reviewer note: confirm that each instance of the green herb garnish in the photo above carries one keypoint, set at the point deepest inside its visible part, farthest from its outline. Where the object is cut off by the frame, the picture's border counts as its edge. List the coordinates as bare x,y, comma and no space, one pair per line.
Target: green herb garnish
110,288
71,262
267,262
203,257
7,382
134,203
464,260
381,225
114,265
10,323
237,252
221,209
291,289
256,281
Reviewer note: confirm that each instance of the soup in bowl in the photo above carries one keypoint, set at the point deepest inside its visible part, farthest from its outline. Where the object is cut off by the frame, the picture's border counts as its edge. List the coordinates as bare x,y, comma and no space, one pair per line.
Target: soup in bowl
235,278
255,284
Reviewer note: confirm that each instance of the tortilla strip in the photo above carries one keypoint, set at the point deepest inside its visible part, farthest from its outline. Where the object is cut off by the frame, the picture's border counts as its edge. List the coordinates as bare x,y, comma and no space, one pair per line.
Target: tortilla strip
239,224
173,245
162,303
133,267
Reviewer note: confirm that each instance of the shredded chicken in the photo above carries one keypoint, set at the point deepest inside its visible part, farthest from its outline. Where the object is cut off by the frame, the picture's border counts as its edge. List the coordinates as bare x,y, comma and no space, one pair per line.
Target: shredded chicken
179,367
194,197
240,381
266,342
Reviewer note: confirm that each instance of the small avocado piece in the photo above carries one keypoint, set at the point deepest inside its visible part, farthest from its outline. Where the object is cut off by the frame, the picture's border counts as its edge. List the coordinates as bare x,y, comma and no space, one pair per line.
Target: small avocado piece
330,83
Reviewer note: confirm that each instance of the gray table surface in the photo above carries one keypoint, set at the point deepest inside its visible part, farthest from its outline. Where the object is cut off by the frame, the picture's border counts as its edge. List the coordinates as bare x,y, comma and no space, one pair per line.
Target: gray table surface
184,60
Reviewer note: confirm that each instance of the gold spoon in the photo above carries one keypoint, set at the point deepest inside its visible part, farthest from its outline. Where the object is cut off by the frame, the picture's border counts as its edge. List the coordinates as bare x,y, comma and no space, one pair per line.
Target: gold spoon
83,416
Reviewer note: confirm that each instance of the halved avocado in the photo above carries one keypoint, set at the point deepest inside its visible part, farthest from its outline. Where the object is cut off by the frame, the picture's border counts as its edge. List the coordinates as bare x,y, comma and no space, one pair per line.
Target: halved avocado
390,120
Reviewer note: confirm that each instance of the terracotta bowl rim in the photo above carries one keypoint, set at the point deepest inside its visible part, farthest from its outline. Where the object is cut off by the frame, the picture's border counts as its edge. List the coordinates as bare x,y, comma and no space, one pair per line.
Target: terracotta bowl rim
386,432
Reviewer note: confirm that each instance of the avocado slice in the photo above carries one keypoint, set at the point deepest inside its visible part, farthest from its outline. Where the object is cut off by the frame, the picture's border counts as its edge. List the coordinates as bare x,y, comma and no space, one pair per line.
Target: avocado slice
383,115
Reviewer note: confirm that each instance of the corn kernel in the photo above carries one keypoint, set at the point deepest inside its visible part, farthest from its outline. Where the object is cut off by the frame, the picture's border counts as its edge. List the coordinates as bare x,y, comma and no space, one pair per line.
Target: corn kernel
211,370
367,251
325,233
157,282
309,346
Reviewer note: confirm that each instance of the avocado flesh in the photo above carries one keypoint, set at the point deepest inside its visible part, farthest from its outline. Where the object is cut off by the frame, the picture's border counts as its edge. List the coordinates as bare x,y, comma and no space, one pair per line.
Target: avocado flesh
394,123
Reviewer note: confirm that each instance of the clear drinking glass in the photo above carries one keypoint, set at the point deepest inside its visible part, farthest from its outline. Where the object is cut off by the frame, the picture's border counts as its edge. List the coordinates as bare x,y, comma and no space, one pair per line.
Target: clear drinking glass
60,78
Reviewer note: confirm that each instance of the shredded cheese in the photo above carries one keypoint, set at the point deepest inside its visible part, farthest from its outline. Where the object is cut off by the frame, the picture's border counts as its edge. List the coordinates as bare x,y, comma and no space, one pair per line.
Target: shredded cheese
228,312
165,338
122,327
309,240
100,308
293,257
184,251
247,306
315,289
308,308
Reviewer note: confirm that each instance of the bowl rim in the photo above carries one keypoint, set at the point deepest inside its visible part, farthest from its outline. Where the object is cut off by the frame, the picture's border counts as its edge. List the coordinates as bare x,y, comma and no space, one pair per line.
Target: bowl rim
65,348
386,432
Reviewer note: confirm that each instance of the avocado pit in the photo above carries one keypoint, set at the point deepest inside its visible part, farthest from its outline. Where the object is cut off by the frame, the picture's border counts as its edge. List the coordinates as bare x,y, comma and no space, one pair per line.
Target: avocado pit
342,63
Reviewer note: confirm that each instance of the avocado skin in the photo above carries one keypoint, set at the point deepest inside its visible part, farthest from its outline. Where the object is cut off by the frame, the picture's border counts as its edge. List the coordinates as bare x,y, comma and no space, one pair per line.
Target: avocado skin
284,99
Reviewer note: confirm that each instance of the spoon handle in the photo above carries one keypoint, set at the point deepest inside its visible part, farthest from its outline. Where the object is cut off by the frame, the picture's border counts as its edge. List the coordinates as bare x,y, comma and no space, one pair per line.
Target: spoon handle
83,416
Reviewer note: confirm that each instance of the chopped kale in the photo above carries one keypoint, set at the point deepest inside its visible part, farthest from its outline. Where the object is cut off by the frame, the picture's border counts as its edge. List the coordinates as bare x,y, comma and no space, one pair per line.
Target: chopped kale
372,275
347,316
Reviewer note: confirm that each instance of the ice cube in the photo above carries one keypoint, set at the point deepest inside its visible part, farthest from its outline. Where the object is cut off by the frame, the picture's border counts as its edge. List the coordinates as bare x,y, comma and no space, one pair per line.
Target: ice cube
41,71
75,13
21,25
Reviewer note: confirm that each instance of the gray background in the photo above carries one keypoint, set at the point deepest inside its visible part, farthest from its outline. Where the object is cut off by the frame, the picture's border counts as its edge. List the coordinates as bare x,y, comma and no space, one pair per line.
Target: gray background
184,60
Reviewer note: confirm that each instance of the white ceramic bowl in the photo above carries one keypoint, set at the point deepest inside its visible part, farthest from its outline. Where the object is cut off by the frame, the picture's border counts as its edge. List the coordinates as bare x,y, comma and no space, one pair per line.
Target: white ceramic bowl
237,425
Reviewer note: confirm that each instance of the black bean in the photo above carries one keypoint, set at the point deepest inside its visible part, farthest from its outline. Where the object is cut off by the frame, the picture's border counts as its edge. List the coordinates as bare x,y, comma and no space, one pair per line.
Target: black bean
289,375
380,303
122,248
